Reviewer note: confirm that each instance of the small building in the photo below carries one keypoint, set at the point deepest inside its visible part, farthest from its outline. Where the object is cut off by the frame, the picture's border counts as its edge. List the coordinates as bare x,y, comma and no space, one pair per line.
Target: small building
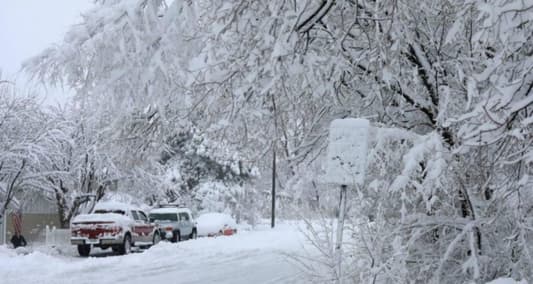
37,212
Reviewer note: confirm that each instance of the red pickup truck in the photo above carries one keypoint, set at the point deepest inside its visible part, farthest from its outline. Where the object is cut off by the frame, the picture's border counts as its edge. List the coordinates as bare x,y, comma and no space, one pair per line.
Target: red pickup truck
113,225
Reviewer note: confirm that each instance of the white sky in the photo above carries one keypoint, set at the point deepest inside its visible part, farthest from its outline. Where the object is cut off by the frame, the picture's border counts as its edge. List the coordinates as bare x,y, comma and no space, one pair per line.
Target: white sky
29,26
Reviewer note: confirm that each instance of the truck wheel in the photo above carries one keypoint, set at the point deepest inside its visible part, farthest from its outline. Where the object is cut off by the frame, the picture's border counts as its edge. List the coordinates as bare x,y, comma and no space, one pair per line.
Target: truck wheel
193,235
176,237
126,245
157,239
84,250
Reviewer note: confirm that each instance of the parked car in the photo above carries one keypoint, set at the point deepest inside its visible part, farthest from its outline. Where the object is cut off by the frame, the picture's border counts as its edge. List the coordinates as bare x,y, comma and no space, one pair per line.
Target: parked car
113,225
216,224
175,223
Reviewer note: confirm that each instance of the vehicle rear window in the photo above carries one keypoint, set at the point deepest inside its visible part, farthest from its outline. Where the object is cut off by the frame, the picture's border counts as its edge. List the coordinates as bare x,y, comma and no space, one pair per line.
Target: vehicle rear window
170,217
105,211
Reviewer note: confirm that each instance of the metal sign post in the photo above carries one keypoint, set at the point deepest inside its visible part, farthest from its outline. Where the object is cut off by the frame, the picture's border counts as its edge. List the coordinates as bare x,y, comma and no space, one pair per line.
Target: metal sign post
273,216
340,231
346,162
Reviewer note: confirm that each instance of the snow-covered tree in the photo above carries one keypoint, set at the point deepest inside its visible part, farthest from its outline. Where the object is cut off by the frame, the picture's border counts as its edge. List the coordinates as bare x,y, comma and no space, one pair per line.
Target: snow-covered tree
193,94
24,144
130,56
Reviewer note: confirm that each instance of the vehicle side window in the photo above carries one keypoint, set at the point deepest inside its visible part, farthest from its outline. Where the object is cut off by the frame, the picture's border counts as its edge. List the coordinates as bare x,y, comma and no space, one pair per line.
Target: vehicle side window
134,215
143,217
184,217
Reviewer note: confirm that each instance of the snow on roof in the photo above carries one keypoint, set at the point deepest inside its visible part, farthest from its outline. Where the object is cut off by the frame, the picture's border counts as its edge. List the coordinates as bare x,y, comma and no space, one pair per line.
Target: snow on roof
114,205
113,217
170,210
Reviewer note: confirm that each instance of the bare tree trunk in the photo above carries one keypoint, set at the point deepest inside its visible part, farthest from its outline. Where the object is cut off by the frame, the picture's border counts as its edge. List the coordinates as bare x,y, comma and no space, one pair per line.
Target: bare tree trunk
10,190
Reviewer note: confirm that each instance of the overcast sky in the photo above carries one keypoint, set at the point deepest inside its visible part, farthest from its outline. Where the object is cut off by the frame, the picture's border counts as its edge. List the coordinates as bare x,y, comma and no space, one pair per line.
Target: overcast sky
29,26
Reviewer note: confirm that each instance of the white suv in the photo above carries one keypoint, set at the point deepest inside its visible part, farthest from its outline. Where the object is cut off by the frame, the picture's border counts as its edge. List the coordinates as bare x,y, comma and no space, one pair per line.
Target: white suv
175,223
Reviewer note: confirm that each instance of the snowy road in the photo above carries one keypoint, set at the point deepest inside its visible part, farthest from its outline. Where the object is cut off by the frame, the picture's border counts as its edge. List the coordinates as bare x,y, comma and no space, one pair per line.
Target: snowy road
248,257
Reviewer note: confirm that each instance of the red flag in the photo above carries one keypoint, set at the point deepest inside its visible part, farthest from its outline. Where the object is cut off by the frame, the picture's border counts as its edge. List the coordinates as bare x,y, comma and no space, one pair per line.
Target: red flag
17,221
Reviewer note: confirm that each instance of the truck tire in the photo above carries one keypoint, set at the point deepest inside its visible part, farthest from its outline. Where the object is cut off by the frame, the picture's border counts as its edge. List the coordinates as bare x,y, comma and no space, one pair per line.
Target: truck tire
176,237
84,250
125,248
193,234
156,239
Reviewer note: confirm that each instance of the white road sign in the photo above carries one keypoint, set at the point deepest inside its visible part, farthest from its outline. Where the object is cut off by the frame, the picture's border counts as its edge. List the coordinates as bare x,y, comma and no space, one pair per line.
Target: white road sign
347,151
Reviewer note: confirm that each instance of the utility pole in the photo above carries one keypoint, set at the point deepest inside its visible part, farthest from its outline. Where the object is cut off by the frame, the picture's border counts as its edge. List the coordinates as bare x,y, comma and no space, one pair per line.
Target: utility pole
273,219
274,141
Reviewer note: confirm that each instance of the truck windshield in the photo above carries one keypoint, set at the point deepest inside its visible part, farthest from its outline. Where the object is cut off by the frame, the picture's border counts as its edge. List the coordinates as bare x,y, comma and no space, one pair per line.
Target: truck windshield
162,217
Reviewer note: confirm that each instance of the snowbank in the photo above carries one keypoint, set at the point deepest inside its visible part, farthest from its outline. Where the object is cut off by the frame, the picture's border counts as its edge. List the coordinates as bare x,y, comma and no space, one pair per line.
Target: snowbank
506,281
250,257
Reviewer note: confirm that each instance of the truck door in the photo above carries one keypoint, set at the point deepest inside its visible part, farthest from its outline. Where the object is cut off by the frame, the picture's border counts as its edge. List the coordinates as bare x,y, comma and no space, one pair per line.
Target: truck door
141,228
185,224
148,227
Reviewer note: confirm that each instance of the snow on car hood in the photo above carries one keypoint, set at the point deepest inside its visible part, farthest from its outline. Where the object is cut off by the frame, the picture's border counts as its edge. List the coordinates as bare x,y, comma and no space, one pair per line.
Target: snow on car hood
101,217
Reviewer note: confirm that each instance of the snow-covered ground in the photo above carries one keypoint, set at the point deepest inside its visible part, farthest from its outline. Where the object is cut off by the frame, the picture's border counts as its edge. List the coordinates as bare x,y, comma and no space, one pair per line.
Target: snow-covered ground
256,256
